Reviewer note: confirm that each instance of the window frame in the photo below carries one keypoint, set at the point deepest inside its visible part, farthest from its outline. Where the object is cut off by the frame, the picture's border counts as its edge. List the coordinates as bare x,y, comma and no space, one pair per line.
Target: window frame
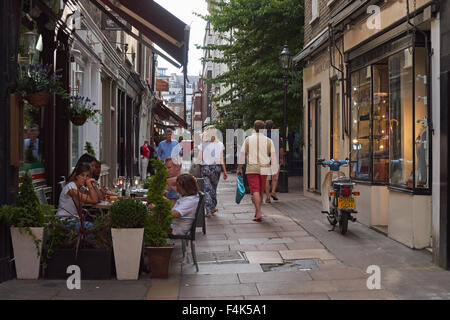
394,187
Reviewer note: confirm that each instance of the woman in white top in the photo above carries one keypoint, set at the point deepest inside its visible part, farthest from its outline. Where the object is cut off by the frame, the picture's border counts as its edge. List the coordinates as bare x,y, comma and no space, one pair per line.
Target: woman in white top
212,161
185,208
72,199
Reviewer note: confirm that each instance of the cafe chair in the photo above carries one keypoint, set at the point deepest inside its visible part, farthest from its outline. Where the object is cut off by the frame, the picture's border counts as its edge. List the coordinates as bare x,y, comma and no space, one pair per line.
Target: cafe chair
190,235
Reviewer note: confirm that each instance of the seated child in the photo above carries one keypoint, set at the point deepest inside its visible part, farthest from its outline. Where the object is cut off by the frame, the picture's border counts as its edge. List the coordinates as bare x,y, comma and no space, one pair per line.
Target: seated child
185,208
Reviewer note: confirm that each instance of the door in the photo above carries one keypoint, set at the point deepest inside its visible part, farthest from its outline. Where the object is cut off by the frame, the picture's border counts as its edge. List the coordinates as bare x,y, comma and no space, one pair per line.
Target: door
314,145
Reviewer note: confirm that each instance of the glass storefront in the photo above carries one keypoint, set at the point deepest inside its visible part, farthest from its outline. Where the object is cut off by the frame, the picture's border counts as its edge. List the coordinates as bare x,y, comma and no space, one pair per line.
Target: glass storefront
335,120
390,121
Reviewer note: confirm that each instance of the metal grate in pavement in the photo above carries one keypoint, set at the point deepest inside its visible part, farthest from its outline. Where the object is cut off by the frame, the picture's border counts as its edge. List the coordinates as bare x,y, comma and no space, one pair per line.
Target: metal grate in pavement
221,257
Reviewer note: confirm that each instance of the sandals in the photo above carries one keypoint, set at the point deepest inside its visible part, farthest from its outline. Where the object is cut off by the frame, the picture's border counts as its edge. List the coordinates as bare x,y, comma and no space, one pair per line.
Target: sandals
268,200
214,210
274,196
258,219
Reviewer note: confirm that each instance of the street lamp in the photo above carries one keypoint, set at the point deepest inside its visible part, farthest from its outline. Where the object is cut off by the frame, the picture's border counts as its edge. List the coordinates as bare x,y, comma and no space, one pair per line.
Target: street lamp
286,62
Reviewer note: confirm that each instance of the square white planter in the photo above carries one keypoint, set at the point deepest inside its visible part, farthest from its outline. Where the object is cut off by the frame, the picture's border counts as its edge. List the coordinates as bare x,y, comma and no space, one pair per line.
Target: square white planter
25,252
127,246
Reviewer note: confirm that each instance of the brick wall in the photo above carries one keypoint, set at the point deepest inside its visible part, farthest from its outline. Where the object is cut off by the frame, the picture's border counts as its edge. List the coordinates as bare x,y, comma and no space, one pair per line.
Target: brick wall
325,13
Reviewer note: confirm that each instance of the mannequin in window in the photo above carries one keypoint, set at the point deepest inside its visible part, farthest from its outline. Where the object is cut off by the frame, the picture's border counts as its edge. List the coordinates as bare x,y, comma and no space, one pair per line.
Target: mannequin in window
421,153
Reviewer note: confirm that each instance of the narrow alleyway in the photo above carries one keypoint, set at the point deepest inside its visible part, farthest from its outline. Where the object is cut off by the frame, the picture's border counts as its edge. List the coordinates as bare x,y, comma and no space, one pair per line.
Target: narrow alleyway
290,255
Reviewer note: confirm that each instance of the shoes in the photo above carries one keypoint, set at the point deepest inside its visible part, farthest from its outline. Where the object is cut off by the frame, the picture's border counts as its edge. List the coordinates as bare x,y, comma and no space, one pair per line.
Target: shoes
208,215
214,210
274,196
258,219
268,200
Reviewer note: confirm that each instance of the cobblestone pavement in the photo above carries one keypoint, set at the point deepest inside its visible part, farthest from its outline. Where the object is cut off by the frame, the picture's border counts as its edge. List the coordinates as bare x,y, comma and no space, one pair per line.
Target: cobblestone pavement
291,255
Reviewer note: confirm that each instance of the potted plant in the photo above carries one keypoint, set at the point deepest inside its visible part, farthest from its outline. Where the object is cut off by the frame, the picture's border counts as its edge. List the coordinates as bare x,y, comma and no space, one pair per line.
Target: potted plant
157,249
26,221
90,249
127,230
36,84
81,109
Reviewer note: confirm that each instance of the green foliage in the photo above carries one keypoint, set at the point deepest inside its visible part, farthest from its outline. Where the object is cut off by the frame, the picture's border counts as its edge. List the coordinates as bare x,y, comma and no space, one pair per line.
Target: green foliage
61,234
158,222
146,183
28,211
89,149
128,213
37,78
82,107
254,33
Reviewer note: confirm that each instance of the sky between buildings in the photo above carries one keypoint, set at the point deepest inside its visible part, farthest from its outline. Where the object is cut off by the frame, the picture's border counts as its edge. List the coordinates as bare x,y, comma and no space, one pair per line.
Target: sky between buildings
183,10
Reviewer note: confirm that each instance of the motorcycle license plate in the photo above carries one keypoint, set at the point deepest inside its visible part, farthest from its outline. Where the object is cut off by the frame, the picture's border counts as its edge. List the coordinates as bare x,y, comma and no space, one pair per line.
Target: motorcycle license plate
346,202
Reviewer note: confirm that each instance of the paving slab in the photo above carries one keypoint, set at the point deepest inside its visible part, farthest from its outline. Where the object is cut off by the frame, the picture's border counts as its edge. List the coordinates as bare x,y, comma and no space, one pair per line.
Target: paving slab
212,291
302,245
243,247
202,249
277,288
209,279
293,233
250,235
223,268
203,243
362,295
279,277
305,254
263,241
164,289
311,296
263,257
338,274
271,247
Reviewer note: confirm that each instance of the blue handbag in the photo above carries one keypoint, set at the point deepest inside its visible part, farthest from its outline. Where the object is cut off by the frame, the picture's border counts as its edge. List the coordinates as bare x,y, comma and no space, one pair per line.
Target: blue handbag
240,189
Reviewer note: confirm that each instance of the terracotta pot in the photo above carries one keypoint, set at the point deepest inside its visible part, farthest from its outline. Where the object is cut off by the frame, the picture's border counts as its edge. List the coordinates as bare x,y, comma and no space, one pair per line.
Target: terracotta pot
127,246
158,259
78,120
25,252
38,99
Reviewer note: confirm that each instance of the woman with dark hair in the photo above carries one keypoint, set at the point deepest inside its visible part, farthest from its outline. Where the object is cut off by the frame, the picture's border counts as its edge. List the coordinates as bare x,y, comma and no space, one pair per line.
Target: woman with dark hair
185,207
95,166
72,197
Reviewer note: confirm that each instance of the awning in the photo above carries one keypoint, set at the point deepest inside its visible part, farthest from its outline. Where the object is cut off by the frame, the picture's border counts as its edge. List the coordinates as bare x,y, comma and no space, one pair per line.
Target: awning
157,24
312,46
163,113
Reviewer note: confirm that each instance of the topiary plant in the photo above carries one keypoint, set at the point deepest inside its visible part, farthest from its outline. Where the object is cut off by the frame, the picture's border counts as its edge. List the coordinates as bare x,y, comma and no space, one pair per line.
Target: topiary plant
128,213
158,223
28,211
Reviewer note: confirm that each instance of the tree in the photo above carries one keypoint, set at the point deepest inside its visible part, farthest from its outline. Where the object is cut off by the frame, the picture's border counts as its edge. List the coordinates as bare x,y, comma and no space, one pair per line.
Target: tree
255,32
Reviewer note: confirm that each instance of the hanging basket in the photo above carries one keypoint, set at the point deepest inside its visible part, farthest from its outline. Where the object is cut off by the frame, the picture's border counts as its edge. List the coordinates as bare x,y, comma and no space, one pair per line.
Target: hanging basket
38,99
78,120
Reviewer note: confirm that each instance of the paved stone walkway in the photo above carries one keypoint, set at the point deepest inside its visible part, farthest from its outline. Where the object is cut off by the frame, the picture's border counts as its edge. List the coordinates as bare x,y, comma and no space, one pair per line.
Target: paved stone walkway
291,255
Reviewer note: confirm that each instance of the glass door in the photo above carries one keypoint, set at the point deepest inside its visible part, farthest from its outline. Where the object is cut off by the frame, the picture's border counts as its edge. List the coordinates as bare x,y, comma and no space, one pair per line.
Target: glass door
314,146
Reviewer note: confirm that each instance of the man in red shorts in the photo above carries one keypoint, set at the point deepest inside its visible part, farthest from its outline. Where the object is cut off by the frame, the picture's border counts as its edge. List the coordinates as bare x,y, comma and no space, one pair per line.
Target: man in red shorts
260,155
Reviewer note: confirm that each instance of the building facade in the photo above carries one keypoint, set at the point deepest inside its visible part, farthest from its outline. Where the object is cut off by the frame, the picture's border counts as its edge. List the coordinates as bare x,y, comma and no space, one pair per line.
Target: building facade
371,93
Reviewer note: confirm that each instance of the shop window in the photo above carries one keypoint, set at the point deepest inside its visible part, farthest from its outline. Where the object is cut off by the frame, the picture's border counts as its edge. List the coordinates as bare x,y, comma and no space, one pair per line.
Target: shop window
380,123
401,119
421,121
361,126
77,73
390,121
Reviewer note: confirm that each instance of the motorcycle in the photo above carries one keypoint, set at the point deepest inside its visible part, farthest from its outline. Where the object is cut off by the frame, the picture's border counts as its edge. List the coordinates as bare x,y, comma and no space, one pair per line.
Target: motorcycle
339,203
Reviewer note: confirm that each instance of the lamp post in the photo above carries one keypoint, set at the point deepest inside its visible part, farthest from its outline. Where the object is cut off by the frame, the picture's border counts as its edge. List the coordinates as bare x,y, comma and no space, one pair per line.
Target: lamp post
286,62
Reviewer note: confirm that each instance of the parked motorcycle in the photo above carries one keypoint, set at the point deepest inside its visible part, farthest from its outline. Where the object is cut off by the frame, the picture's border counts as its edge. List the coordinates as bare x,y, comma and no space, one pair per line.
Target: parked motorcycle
338,203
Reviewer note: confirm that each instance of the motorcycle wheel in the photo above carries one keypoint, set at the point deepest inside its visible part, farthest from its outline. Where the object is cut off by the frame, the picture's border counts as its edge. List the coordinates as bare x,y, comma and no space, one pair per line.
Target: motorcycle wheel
343,222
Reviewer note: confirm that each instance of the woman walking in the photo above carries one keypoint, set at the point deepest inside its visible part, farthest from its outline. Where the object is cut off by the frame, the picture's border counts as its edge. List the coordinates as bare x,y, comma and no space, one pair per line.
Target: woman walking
212,161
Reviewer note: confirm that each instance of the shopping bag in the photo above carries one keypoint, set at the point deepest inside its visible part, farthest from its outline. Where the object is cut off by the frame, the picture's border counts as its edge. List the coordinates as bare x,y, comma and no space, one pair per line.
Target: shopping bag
240,189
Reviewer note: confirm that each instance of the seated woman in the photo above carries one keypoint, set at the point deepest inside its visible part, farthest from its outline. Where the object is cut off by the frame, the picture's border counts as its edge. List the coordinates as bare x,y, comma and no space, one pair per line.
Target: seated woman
72,198
185,208
95,172
173,173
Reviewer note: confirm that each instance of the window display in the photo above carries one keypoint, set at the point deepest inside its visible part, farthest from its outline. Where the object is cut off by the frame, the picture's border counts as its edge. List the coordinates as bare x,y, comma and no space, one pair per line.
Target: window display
380,115
361,127
421,120
390,130
335,125
401,112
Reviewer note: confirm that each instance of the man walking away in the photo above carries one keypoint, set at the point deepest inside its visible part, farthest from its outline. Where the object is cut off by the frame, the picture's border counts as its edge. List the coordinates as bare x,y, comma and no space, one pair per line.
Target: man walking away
259,152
